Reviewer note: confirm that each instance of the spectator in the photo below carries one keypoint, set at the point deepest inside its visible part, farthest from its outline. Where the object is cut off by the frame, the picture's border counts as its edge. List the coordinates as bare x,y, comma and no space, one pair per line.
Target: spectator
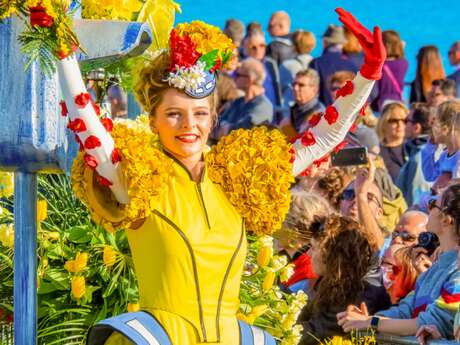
255,47
295,235
234,29
411,224
454,59
411,180
305,86
254,108
341,256
429,68
391,85
118,100
304,42
434,300
442,90
444,132
352,49
332,184
331,61
281,47
391,131
404,275
253,27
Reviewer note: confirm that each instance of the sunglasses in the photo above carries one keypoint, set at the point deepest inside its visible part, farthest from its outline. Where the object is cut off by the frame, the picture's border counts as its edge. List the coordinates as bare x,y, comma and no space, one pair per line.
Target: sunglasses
349,195
394,121
432,205
405,236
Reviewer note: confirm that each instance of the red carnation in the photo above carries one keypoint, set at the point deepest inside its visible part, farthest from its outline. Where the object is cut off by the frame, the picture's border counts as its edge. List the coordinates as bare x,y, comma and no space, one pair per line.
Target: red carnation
96,108
183,51
116,156
39,17
107,123
292,152
314,119
77,125
92,142
64,110
362,111
216,66
332,115
91,161
77,139
340,146
82,99
308,139
103,181
345,90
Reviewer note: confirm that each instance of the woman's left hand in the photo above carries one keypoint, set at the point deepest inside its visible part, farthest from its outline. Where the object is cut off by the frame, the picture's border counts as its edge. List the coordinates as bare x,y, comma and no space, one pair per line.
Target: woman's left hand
372,44
427,331
354,318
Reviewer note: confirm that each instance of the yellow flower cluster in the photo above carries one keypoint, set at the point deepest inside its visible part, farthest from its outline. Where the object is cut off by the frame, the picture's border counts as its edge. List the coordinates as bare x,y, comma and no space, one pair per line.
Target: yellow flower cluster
8,8
110,9
42,210
7,235
78,286
109,256
77,265
206,37
253,168
6,184
145,170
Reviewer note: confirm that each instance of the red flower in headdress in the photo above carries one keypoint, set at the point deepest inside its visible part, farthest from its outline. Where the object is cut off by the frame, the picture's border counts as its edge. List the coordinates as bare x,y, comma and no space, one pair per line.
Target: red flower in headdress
332,115
107,123
91,161
82,99
216,66
77,125
308,139
39,17
92,142
64,110
345,90
183,51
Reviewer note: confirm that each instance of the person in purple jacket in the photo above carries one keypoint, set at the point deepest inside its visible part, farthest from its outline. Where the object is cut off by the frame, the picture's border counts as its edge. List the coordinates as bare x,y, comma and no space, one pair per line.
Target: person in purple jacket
391,86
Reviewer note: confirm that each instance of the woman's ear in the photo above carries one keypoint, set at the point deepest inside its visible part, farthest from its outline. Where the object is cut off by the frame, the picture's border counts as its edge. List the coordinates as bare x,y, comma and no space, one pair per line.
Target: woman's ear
152,124
447,221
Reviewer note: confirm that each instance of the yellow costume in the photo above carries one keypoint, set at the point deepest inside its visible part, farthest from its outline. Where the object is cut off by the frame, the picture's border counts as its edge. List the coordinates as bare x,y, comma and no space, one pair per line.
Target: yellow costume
190,251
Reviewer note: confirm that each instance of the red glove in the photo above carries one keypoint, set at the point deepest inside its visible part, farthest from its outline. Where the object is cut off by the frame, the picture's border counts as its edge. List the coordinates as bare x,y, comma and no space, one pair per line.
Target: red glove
372,44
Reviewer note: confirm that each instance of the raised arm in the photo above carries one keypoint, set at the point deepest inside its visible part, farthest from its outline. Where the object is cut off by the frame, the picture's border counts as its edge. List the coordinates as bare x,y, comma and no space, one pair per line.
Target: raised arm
94,138
330,129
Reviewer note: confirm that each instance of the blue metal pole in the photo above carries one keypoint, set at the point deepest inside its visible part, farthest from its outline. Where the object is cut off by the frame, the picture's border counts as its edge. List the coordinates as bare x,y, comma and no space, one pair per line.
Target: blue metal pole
25,258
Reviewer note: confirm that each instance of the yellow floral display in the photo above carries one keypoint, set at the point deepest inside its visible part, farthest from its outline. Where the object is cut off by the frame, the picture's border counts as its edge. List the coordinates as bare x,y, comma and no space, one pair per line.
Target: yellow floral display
207,37
109,256
6,184
133,307
78,286
77,265
253,167
110,9
7,235
42,210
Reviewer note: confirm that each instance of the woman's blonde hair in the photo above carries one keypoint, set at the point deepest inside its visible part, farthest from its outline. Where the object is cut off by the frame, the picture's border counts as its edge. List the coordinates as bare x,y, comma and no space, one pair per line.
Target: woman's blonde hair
448,114
304,41
386,115
151,84
352,45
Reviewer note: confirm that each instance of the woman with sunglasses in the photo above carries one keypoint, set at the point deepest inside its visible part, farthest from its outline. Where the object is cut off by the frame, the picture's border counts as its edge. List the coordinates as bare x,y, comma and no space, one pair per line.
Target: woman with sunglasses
436,298
391,129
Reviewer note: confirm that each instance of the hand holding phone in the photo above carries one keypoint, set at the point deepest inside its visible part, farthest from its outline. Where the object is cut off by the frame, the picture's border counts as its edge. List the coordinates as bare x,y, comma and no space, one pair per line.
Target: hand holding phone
350,157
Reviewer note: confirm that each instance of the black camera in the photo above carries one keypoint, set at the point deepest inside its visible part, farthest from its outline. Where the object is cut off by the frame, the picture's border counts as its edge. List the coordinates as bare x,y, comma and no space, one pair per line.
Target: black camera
429,241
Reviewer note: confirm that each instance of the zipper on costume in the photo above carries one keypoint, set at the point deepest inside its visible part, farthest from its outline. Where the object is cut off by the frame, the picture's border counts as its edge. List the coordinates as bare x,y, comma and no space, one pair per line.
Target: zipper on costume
200,195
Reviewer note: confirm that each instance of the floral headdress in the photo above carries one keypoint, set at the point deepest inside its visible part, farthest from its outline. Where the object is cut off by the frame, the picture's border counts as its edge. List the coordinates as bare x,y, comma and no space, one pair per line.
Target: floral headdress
197,51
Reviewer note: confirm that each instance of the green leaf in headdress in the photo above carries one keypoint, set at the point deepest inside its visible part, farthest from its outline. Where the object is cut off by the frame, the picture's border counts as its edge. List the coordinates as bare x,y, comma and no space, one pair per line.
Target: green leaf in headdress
209,59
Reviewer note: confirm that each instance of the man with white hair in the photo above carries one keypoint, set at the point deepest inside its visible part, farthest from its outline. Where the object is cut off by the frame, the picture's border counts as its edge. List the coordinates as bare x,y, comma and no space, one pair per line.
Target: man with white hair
281,48
254,108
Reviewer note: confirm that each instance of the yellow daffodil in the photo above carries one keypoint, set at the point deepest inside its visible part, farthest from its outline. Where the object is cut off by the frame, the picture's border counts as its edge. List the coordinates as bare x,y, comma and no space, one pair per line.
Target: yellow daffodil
249,319
42,210
7,235
6,184
264,256
77,265
268,280
78,286
109,256
133,307
259,310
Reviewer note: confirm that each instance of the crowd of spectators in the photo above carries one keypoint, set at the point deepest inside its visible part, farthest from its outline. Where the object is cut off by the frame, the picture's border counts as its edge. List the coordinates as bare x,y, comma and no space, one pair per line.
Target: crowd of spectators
373,246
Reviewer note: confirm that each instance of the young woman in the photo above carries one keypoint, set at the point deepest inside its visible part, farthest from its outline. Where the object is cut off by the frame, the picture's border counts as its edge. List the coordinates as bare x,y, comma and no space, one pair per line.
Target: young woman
436,297
341,256
391,131
185,209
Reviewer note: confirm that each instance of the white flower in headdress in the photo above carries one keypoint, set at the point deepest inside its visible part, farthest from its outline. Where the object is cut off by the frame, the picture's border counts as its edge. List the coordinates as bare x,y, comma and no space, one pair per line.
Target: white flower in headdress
188,77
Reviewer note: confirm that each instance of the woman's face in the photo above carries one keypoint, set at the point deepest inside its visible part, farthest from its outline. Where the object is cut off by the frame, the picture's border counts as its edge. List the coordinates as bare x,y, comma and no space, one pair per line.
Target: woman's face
316,257
395,126
183,124
435,217
440,132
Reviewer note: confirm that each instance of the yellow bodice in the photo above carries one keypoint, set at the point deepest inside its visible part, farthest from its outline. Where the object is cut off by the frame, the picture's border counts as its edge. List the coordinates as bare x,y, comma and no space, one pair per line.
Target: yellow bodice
190,253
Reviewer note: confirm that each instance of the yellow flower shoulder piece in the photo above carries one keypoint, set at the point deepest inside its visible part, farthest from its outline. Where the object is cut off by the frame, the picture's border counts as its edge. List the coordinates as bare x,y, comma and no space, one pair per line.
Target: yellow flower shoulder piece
253,167
145,168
